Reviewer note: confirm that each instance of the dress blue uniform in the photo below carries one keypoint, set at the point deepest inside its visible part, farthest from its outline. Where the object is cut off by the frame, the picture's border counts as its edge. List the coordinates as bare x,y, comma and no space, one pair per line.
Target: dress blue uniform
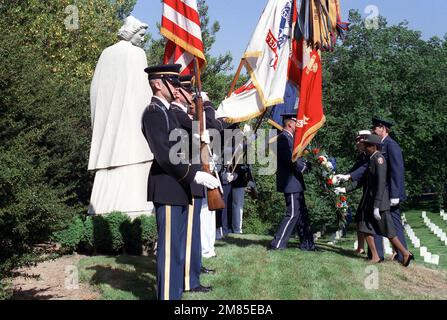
290,181
169,190
395,181
395,178
193,260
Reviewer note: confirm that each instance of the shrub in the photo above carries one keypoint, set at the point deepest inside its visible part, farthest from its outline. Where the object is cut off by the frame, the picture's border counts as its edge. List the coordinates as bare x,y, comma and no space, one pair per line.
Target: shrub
88,239
148,230
71,237
114,231
140,235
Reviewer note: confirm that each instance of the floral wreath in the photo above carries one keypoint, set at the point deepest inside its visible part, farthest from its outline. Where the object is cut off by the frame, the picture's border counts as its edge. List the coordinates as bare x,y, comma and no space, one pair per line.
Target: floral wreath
326,170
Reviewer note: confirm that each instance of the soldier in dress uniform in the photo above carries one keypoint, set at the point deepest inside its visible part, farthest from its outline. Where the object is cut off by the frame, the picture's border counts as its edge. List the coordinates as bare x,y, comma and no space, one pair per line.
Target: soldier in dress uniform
395,178
184,110
375,217
290,181
168,183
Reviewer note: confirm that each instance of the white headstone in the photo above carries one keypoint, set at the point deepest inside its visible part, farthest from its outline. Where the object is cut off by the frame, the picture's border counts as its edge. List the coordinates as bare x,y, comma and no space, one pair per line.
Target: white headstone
427,257
424,214
356,244
442,211
422,251
417,243
435,259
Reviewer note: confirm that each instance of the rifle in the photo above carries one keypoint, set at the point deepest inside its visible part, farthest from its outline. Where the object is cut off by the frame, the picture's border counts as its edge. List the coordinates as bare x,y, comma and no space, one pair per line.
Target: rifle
215,198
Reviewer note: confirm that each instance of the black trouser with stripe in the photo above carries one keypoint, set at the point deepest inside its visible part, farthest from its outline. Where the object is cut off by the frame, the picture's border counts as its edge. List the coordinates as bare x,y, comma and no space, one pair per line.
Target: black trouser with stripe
171,247
296,216
193,260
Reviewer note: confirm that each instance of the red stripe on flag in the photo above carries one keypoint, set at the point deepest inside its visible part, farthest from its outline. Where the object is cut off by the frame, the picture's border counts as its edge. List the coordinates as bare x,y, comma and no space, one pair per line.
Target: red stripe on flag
182,34
310,117
184,10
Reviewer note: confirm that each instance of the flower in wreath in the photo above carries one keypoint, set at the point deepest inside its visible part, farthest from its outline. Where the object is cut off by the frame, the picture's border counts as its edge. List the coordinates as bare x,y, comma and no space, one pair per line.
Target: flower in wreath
322,160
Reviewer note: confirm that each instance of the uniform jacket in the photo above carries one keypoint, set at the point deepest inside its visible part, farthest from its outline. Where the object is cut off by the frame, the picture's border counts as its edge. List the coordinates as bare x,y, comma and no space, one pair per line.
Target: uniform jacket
289,175
375,194
395,160
168,183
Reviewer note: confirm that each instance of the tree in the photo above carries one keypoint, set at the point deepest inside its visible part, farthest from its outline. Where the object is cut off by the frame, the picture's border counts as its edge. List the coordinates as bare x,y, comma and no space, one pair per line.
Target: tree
391,72
48,54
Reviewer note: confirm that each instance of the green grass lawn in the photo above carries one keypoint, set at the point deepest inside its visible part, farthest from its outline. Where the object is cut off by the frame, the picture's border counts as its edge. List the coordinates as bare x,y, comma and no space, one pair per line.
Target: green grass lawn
246,270
428,239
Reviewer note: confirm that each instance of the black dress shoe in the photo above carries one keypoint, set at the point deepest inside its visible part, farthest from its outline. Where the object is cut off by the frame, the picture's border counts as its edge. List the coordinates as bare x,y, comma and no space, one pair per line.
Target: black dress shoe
207,271
202,289
407,263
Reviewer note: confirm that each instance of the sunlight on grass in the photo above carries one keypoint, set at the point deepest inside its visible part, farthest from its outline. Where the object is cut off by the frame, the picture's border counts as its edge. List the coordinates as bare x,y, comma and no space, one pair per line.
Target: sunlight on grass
246,270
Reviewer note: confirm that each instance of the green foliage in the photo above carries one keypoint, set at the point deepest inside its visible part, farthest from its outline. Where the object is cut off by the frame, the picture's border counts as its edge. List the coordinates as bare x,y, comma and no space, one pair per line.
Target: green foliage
71,237
45,75
394,73
110,234
117,222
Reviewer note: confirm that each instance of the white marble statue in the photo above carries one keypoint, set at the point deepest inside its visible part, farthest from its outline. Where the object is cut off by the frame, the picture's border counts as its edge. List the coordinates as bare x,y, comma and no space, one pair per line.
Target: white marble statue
119,153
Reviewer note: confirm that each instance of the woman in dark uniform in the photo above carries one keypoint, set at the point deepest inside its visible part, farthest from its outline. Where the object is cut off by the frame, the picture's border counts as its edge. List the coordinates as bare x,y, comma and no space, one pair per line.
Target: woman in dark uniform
374,216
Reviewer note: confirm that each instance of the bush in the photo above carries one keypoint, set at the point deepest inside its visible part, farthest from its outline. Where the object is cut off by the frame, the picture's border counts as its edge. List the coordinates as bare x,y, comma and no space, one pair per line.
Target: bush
110,234
88,239
116,224
72,236
148,230
141,234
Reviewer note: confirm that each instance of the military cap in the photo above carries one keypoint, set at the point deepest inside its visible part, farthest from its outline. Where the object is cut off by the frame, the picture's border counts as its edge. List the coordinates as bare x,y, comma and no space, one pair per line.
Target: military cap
170,72
381,122
187,82
286,116
361,134
372,139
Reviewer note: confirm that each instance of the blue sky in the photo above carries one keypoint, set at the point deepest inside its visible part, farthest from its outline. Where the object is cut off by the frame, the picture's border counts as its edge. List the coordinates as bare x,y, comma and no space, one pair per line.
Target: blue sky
238,18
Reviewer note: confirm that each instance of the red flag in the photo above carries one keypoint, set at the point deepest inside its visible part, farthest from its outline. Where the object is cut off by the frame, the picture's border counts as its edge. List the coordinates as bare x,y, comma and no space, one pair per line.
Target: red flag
310,117
181,26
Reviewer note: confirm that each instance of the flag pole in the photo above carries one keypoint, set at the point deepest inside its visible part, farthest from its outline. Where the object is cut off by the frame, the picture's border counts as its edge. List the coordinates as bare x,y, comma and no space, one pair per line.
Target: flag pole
236,77
215,199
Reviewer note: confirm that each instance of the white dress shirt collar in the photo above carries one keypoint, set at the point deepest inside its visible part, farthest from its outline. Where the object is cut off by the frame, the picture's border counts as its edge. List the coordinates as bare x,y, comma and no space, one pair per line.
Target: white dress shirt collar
164,101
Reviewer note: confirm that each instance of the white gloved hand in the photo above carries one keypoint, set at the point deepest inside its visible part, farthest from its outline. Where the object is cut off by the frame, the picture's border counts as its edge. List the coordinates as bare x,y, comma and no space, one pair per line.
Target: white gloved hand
394,202
230,176
246,129
339,190
207,180
205,138
377,214
342,177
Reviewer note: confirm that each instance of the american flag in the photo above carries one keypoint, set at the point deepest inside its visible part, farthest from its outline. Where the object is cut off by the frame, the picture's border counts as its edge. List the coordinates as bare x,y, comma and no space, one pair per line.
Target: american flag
181,26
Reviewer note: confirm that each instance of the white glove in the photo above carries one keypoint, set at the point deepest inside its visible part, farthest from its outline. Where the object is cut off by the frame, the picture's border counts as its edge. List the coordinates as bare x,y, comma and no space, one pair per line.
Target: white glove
230,176
377,214
205,138
207,180
394,202
246,130
339,190
342,177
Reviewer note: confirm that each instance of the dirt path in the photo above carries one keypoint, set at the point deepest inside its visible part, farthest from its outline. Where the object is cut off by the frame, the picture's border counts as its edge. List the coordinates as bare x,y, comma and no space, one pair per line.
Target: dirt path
52,280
